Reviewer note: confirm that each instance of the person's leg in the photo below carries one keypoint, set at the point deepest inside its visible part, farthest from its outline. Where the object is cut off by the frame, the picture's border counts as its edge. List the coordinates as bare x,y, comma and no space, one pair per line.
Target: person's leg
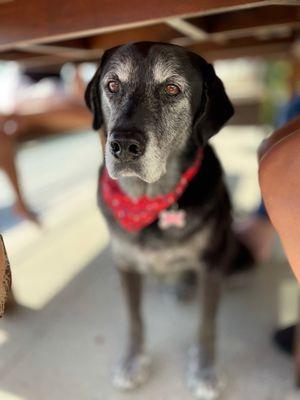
256,231
281,196
7,163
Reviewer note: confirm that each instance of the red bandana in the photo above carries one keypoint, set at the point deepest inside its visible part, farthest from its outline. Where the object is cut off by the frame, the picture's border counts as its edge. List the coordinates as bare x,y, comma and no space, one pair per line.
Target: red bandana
134,214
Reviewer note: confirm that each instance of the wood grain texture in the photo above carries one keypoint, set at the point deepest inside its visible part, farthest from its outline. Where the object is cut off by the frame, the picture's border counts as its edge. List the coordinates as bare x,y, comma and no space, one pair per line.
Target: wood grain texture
237,21
243,47
43,20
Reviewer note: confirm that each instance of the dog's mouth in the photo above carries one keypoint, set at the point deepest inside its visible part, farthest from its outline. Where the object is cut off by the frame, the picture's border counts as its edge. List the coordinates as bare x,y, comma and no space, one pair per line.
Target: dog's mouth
133,169
118,169
121,169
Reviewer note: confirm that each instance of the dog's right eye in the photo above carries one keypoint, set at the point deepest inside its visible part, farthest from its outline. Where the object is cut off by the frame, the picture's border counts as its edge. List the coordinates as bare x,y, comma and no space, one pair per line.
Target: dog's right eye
113,86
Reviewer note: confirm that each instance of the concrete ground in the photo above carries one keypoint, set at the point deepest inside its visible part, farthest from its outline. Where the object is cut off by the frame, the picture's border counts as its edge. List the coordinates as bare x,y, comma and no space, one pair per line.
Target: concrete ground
64,338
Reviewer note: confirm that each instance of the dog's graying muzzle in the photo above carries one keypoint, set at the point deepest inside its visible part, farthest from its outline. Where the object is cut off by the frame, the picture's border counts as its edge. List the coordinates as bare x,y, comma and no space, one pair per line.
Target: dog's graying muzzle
127,146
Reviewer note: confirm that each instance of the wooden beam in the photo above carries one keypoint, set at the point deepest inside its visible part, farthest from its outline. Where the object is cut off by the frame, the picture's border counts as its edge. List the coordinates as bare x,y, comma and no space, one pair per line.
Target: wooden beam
243,47
188,29
154,33
91,48
61,51
45,62
15,55
33,55
286,2
41,21
79,43
248,22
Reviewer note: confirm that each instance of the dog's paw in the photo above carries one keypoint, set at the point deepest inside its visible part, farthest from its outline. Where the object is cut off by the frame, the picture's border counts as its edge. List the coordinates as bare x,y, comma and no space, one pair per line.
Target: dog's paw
204,385
203,382
132,372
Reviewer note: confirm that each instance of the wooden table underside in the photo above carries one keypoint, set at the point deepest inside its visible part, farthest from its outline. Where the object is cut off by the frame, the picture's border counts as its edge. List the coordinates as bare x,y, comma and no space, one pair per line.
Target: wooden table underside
42,32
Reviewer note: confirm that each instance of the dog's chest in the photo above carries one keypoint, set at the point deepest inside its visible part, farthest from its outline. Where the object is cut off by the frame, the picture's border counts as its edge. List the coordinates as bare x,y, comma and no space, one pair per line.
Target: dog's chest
166,257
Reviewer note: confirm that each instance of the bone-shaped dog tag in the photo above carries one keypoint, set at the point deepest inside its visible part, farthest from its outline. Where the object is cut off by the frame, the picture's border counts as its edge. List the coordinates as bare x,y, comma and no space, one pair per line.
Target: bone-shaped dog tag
172,218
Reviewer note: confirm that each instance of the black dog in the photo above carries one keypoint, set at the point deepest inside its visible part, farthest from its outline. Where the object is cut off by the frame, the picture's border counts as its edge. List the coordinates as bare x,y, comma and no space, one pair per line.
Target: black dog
159,105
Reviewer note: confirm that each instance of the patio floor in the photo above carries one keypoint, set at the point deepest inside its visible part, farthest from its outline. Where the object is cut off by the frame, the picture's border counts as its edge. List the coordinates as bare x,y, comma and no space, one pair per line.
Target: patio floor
64,338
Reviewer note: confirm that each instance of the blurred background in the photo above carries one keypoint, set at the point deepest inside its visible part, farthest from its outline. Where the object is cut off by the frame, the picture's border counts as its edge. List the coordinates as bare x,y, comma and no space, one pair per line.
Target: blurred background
64,327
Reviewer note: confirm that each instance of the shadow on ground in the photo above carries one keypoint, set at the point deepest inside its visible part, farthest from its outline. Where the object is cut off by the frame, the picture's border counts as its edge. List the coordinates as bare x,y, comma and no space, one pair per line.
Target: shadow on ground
8,219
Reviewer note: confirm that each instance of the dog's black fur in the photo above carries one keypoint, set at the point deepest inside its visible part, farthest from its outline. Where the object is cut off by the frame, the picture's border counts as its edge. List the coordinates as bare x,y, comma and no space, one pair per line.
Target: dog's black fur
205,201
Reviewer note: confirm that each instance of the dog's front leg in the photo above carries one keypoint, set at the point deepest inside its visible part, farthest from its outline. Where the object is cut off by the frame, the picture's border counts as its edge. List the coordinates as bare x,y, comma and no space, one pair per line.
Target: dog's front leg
202,377
133,369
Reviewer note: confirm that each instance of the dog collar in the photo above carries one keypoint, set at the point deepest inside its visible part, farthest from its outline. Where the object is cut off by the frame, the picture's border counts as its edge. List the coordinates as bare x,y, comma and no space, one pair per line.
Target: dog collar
134,214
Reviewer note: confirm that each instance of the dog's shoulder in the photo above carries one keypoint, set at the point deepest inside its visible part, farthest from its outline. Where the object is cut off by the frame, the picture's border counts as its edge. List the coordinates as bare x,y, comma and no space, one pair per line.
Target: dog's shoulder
206,182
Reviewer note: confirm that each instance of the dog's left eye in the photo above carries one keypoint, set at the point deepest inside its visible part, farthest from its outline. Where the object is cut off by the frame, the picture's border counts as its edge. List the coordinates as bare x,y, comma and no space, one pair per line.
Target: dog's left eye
172,89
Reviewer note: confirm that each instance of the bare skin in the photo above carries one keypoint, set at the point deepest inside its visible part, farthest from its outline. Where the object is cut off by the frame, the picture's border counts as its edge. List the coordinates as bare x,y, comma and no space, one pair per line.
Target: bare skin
8,165
257,232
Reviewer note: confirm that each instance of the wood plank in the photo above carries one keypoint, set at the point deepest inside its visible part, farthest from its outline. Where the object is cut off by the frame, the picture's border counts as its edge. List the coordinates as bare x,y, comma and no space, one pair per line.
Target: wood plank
61,51
43,20
188,29
90,48
243,21
243,47
44,62
155,33
15,55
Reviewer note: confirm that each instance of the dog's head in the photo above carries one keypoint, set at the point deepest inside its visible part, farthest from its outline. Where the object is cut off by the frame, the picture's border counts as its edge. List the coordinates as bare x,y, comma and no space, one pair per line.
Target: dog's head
152,98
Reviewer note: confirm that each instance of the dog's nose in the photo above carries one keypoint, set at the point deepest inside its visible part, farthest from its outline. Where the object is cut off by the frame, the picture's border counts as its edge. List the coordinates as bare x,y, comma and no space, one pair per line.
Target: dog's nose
127,146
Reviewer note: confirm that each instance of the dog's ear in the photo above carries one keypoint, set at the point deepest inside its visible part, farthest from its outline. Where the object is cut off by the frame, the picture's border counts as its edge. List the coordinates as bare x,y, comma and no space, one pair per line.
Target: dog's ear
214,108
92,93
93,100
